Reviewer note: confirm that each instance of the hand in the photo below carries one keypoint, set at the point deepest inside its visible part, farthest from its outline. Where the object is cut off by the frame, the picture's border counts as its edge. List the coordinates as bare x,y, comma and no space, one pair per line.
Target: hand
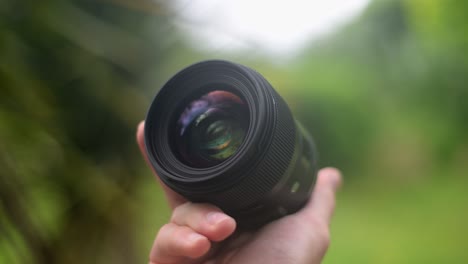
202,233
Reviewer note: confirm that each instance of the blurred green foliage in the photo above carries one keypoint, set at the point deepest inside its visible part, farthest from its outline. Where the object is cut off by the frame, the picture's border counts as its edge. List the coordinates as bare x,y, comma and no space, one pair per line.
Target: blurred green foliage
385,98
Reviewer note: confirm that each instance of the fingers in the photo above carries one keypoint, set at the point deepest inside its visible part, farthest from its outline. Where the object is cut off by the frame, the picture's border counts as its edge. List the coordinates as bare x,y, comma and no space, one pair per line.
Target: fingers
205,219
322,202
175,243
189,235
173,198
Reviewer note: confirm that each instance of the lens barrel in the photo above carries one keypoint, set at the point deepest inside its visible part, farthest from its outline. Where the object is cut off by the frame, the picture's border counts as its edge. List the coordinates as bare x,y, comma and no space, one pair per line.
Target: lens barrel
217,132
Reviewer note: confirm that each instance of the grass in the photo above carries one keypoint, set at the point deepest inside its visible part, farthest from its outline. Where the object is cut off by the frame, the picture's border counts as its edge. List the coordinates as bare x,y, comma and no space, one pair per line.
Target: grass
421,223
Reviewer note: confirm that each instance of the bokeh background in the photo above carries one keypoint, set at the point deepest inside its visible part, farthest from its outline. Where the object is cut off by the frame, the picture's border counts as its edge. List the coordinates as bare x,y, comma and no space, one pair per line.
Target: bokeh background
385,94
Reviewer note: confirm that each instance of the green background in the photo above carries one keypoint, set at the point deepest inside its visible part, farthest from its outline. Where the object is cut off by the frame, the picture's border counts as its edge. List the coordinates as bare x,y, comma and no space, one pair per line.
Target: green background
385,98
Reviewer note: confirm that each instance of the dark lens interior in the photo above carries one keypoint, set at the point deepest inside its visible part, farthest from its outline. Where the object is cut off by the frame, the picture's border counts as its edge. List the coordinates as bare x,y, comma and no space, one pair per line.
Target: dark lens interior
211,129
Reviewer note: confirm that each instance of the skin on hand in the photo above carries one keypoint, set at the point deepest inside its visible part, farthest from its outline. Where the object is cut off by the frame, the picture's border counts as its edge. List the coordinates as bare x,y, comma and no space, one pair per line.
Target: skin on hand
202,233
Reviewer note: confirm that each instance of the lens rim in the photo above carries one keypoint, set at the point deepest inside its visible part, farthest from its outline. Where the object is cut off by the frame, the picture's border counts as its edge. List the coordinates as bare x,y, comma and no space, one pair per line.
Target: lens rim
197,79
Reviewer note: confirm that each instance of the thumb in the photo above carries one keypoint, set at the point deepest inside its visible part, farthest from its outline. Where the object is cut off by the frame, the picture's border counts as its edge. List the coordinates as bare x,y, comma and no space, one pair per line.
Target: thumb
322,203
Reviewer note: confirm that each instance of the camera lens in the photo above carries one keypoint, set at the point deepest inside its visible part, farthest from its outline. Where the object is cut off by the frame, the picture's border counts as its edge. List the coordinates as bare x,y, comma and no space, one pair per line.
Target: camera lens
217,132
211,128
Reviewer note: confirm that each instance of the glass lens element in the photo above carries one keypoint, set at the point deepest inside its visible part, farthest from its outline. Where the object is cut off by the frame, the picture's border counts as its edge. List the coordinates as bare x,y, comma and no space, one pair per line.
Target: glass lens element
211,129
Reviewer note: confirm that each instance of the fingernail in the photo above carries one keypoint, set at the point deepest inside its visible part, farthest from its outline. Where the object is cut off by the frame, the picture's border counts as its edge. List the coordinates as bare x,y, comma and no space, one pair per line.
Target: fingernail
336,179
215,217
194,237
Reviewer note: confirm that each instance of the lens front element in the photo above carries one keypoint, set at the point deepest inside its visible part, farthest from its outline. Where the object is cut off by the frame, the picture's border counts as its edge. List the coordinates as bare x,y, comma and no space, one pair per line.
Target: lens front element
211,129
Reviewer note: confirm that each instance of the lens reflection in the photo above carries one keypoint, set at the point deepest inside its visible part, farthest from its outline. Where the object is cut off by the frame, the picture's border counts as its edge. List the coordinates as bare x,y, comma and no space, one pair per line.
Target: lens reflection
211,128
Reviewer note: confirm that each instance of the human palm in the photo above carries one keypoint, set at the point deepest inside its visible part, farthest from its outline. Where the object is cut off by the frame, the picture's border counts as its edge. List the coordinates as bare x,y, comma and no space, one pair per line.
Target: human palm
202,233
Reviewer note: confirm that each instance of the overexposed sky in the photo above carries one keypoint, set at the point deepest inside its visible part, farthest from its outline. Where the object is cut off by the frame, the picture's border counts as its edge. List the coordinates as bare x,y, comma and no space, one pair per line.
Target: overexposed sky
274,26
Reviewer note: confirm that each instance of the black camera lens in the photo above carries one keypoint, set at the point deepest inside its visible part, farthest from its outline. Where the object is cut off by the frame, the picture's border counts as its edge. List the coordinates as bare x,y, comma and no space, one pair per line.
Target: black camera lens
211,128
217,132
